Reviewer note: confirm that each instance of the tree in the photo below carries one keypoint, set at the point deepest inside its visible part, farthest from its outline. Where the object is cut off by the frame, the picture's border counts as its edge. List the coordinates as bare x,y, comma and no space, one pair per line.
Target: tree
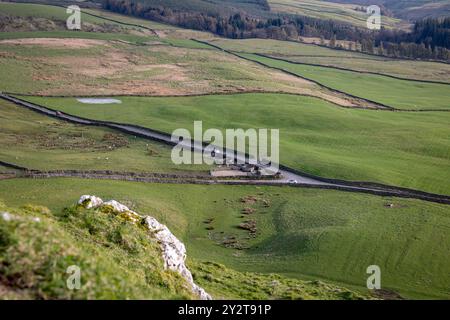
333,41
381,49
291,31
429,39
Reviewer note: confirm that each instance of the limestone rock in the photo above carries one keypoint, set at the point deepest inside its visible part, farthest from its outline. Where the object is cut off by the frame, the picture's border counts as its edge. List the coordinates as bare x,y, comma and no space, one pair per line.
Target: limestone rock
116,205
90,201
124,211
6,216
173,250
174,254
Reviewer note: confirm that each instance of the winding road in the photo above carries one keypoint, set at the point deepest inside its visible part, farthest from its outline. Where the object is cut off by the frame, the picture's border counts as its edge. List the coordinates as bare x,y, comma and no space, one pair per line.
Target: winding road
290,177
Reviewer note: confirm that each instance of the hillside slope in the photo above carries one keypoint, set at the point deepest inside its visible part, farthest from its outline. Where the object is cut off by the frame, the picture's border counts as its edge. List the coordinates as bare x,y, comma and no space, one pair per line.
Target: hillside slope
118,260
328,10
408,9
251,7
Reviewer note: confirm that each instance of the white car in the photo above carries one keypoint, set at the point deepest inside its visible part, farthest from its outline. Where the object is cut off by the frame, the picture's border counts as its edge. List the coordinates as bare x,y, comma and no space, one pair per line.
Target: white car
293,181
215,152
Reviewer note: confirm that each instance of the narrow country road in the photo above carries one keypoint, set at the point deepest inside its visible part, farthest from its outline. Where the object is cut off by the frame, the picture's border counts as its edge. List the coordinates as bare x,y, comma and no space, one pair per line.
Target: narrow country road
290,177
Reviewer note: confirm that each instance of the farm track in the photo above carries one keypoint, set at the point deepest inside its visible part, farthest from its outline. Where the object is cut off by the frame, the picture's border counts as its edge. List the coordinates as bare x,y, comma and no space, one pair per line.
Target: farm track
302,179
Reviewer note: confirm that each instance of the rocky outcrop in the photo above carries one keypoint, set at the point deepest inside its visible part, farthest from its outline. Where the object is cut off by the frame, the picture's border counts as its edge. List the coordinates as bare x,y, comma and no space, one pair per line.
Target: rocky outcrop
174,254
6,216
173,250
90,201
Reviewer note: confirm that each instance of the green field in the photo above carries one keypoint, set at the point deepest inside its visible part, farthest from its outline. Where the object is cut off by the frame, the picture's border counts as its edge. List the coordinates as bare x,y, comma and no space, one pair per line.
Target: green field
396,148
400,94
407,9
106,250
301,233
6,169
124,19
139,39
419,9
101,18
166,32
90,16
243,242
43,11
314,54
312,8
135,39
330,11
228,7
130,29
109,249
39,142
71,67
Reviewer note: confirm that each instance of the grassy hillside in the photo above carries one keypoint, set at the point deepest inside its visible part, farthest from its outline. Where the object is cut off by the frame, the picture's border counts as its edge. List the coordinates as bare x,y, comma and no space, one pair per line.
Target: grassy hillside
108,249
313,54
408,9
134,39
114,68
250,7
400,94
271,8
390,147
301,233
39,142
16,17
328,10
243,242
42,11
88,15
6,169
49,21
419,9
51,18
54,64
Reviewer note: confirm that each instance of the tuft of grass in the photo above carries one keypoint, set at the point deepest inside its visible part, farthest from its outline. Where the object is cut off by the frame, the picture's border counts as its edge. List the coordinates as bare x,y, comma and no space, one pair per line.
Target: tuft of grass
36,209
225,283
